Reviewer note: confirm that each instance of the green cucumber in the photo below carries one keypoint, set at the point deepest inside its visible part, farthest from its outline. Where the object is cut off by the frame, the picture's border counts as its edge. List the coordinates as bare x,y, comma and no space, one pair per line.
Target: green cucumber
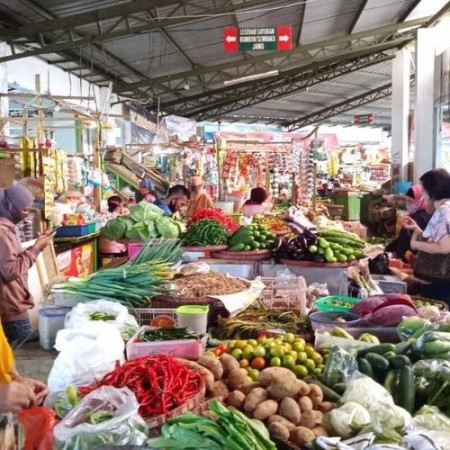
402,347
378,362
399,361
323,243
340,388
237,247
406,389
365,368
328,254
388,354
380,349
329,394
391,381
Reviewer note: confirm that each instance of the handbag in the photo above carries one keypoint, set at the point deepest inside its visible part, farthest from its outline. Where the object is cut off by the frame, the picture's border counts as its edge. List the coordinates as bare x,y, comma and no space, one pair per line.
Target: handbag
432,267
380,265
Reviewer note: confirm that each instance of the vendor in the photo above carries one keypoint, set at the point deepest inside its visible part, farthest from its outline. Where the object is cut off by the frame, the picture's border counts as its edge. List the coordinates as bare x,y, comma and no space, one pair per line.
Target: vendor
176,200
258,197
199,198
146,191
15,297
109,248
416,206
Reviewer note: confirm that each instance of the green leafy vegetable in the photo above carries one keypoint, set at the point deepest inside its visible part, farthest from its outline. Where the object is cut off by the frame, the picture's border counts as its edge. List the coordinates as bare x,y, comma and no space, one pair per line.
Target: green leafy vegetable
138,232
145,212
114,230
205,232
167,227
100,416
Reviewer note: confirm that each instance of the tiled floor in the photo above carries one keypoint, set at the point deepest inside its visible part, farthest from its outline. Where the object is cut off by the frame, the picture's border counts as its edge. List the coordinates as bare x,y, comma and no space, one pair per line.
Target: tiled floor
32,361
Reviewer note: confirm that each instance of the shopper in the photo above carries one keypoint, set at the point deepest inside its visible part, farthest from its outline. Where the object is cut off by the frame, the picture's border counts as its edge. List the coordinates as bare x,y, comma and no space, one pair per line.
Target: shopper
199,198
177,199
15,297
106,247
146,191
416,205
259,198
435,239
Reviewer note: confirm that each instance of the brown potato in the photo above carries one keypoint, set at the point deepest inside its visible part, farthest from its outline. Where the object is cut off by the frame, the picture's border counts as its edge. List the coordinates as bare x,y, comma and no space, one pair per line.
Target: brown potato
228,363
247,388
265,409
278,431
277,418
236,378
326,406
256,396
220,390
301,436
269,374
308,419
304,388
319,431
285,386
290,410
236,398
315,394
305,403
213,365
319,415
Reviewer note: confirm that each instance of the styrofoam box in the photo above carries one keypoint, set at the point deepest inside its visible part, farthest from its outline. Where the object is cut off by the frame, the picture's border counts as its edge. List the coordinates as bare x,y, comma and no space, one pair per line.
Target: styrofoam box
183,348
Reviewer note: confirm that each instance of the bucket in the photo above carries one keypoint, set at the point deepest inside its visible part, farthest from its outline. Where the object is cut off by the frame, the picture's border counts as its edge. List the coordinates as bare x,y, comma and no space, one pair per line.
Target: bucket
401,187
51,320
193,317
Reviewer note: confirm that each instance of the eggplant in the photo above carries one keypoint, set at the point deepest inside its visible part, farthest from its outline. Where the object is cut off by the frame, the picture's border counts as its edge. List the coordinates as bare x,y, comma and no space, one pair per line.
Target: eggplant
295,228
279,243
318,258
301,239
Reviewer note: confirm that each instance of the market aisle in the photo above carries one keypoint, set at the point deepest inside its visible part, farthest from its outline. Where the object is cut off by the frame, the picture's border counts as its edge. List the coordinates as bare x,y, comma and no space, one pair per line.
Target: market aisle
33,362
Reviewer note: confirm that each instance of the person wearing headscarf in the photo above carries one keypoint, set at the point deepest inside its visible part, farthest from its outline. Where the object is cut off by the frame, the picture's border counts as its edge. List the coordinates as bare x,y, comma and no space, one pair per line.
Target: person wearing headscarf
258,196
199,197
146,191
15,297
416,206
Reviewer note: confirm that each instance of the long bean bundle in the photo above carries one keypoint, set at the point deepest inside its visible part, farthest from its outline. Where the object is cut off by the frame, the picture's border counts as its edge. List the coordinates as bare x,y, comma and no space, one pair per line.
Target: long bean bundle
134,283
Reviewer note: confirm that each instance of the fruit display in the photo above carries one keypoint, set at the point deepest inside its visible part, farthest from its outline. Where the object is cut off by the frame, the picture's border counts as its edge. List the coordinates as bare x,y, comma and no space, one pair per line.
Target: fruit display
287,350
251,237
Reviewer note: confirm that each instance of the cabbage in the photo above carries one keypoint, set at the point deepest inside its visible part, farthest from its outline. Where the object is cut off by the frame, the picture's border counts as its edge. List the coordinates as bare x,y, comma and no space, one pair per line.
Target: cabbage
138,232
114,230
127,220
348,420
167,227
366,392
145,212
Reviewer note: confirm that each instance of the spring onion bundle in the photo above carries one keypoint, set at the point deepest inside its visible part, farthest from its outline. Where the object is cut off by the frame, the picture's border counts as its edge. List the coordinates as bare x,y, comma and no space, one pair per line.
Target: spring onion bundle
134,283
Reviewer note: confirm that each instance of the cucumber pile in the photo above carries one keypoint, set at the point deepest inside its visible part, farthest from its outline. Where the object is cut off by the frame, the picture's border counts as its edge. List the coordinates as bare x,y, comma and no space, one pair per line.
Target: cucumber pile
250,238
338,246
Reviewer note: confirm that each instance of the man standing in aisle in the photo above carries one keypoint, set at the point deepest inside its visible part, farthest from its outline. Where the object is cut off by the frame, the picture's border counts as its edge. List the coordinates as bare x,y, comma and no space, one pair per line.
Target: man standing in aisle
199,198
177,199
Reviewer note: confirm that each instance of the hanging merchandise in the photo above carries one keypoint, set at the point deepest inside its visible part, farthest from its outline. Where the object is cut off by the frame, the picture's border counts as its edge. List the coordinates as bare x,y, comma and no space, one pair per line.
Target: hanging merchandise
49,169
333,164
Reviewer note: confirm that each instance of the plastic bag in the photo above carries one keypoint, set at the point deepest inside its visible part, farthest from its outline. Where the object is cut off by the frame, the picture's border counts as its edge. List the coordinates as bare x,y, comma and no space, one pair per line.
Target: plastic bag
340,366
380,265
102,311
85,355
107,416
38,424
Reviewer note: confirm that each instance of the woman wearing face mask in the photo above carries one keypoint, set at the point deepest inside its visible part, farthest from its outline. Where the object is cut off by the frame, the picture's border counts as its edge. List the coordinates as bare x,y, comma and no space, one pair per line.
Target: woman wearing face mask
435,237
15,297
416,206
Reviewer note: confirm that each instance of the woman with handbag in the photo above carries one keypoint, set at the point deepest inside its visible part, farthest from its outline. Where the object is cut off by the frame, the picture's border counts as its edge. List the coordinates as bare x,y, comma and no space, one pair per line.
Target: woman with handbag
433,244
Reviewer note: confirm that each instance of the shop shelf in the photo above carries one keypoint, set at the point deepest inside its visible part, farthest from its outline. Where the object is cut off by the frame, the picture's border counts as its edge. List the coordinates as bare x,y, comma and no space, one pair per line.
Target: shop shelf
182,348
73,231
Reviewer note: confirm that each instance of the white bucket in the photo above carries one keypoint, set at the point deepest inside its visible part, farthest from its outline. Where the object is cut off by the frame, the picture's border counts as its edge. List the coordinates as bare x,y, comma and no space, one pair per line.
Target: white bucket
193,317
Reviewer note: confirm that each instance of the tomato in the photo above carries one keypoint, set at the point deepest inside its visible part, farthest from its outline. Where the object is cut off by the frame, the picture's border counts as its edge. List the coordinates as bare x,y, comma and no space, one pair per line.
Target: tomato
163,322
259,363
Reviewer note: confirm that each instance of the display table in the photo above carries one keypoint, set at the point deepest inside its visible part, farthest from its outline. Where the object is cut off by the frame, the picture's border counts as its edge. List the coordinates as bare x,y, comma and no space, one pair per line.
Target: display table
77,256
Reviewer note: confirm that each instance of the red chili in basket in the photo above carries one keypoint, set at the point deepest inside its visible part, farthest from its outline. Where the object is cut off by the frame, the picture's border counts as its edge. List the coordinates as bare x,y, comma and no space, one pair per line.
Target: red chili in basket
160,383
215,214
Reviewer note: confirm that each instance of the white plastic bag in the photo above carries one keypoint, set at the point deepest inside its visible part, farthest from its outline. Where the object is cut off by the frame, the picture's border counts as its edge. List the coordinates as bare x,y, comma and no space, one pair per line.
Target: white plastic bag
123,425
85,354
84,313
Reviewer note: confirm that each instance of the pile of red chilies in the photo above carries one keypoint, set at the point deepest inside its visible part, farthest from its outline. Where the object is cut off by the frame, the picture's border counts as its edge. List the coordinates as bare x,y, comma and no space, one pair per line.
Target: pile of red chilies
160,383
215,214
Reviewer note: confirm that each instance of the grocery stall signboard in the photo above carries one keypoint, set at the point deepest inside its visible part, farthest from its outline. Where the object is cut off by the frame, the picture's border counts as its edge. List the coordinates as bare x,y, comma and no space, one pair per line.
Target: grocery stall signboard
256,39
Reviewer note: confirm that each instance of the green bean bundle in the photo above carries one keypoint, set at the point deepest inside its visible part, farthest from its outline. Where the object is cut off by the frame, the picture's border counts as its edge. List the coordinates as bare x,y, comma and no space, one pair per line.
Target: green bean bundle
204,233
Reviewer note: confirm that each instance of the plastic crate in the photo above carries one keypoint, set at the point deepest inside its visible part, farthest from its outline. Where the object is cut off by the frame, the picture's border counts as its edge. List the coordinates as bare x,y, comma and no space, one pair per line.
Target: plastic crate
283,294
327,303
91,227
389,284
72,231
352,204
181,348
144,316
67,299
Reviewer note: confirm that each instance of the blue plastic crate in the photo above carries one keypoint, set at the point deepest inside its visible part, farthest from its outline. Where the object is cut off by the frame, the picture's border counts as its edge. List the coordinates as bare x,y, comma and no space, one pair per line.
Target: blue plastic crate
72,231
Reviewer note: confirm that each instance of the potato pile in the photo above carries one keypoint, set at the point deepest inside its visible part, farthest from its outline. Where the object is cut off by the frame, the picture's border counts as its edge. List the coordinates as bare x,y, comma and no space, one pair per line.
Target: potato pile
291,409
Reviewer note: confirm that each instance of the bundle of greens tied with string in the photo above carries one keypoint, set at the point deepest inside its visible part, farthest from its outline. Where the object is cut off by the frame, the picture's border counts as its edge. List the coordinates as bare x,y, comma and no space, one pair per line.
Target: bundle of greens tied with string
134,283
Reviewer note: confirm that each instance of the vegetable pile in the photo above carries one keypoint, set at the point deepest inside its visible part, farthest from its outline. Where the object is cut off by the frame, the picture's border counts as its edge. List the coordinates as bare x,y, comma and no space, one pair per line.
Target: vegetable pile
144,222
166,334
229,429
251,237
160,383
134,283
291,408
205,232
218,216
275,224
